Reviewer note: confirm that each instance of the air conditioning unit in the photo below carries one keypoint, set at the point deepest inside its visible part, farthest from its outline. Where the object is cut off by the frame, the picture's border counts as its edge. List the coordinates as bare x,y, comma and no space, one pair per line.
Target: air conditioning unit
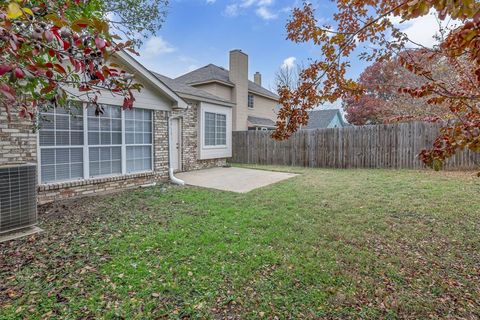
18,197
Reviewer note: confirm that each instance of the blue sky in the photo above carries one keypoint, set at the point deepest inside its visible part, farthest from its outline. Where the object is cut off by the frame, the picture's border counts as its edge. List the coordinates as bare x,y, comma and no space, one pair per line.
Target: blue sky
199,32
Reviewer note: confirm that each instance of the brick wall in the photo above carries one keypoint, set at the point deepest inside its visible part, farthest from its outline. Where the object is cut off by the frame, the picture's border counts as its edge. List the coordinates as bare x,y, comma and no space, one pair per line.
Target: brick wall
190,142
19,144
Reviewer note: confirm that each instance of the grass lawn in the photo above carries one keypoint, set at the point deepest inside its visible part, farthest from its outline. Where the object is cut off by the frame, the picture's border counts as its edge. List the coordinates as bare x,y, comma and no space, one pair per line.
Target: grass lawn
327,243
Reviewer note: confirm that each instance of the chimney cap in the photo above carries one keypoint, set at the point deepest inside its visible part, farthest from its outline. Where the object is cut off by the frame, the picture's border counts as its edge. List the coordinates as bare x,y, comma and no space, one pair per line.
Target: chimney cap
237,51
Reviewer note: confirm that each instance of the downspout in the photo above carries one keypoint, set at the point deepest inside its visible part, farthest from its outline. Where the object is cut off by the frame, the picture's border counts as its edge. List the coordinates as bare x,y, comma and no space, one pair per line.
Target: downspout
173,179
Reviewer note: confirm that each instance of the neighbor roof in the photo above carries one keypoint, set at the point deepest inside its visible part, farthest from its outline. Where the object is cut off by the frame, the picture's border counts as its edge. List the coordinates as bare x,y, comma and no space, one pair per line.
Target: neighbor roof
261,122
187,91
322,118
211,73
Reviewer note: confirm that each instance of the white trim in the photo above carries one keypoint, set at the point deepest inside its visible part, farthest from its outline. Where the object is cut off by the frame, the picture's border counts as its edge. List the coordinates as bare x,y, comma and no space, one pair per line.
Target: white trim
86,154
215,151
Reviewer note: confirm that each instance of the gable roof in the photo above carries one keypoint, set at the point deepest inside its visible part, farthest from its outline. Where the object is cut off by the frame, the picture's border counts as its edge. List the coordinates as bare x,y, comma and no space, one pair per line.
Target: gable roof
189,92
322,118
147,75
213,73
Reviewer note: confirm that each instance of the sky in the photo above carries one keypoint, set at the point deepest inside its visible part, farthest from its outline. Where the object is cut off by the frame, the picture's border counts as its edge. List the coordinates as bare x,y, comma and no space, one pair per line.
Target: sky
199,32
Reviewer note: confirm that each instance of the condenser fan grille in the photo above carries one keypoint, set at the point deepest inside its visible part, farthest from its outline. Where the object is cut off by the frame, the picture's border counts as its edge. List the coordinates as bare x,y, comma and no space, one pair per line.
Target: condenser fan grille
18,197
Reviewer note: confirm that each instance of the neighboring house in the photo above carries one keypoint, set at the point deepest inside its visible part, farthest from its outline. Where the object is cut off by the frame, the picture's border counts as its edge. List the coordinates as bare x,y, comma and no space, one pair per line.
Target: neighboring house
326,118
253,105
79,153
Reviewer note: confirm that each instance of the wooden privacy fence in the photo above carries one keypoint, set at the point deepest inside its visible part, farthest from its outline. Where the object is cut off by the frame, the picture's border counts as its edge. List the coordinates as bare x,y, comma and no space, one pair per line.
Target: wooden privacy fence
376,146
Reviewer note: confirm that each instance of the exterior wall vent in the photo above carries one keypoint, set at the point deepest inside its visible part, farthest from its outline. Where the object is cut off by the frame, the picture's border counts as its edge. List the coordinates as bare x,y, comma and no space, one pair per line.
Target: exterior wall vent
18,197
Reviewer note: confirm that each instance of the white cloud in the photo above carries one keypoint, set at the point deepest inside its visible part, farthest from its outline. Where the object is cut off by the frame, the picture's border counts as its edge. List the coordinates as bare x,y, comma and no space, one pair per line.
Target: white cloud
289,63
231,10
263,8
157,46
211,1
265,13
422,29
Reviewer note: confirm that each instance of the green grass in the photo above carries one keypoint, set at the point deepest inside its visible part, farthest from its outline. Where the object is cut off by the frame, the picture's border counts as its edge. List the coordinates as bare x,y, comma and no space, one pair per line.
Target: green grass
327,243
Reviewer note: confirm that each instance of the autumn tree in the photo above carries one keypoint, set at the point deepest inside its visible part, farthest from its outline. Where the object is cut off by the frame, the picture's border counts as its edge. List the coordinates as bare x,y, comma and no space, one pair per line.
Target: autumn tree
366,28
381,101
51,51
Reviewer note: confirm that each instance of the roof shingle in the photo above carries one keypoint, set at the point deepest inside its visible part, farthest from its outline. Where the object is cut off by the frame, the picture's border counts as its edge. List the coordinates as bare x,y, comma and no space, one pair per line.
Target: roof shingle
212,72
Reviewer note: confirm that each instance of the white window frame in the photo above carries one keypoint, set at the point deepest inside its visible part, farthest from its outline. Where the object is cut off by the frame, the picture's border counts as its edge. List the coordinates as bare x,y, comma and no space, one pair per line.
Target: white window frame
215,146
248,101
86,155
214,152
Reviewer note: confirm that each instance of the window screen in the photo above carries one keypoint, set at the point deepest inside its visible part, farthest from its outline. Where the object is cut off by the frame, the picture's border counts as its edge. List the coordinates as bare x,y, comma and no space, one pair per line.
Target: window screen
215,129
61,143
138,136
105,141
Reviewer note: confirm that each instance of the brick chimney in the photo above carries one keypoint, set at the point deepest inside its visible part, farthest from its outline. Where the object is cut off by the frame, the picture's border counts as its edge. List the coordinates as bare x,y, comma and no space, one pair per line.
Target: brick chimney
257,78
239,76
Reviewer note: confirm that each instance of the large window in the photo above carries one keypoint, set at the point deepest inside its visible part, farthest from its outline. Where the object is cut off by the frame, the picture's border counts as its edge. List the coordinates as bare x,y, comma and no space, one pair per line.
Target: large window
215,129
77,144
61,143
138,137
105,141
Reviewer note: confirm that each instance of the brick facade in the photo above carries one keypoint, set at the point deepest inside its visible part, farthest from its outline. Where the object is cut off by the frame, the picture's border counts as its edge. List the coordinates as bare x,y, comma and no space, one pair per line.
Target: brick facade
190,141
19,144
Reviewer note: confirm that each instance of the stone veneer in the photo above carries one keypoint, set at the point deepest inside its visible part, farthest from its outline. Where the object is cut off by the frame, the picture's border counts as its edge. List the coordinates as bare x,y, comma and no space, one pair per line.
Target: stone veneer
19,144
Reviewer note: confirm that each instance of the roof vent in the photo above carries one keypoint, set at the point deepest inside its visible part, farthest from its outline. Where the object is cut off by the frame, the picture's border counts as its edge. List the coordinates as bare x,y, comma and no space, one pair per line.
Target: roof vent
18,197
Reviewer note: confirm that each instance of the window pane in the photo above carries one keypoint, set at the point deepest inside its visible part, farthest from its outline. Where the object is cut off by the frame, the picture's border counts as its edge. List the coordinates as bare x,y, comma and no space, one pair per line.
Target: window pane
62,138
61,164
48,156
138,127
48,173
116,138
62,156
139,158
94,154
105,138
105,161
76,123
93,124
93,138
47,121
76,170
76,138
62,122
209,128
47,138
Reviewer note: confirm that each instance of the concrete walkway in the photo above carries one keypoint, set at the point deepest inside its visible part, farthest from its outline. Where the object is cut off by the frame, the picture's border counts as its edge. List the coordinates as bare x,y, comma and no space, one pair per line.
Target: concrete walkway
233,179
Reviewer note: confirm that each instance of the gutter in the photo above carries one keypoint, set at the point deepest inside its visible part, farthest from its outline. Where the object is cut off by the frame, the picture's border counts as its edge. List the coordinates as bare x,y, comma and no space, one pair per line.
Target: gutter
172,177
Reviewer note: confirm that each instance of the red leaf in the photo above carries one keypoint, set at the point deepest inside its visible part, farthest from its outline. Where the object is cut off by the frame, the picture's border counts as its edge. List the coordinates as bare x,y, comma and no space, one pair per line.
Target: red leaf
59,68
4,69
100,75
100,43
18,73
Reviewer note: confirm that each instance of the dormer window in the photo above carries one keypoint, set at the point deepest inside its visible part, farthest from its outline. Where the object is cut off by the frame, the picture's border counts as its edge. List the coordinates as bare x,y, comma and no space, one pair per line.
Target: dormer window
250,101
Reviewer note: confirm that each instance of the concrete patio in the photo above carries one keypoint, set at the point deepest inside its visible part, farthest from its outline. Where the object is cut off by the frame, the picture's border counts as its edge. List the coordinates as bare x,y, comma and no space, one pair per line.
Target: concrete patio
239,180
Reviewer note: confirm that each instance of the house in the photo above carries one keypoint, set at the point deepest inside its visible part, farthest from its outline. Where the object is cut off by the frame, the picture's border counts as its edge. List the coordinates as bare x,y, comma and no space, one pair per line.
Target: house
253,105
77,153
325,118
